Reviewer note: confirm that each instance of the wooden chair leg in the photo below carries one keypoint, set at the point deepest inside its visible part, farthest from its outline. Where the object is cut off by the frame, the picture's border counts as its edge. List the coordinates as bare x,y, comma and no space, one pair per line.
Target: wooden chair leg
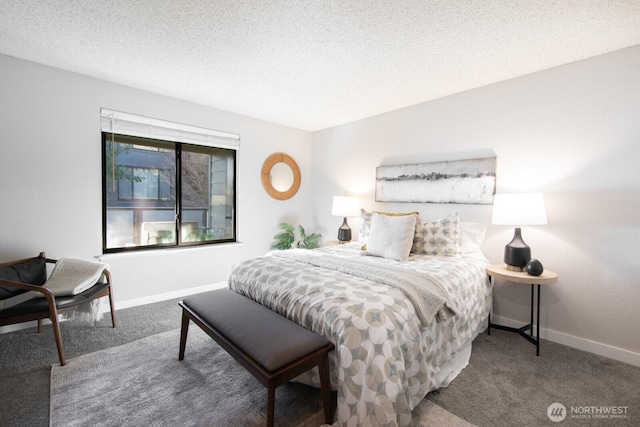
58,335
325,386
271,403
183,335
39,325
113,308
107,274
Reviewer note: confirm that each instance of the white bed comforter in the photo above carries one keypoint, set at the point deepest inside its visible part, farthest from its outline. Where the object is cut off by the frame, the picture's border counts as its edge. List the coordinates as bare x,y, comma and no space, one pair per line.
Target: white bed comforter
385,360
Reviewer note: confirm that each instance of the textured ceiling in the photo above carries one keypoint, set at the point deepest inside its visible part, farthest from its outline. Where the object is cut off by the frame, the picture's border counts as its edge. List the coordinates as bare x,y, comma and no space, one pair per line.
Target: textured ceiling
313,64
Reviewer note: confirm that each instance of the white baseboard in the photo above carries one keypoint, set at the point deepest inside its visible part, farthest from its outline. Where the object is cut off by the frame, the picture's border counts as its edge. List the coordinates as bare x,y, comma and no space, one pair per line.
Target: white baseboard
18,326
168,295
600,349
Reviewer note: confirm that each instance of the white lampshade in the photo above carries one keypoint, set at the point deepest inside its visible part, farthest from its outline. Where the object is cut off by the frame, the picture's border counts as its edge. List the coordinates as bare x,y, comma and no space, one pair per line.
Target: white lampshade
519,209
345,206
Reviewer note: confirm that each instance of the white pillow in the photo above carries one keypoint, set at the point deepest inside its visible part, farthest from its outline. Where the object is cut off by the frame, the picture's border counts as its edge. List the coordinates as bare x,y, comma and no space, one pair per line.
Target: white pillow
391,236
472,235
364,226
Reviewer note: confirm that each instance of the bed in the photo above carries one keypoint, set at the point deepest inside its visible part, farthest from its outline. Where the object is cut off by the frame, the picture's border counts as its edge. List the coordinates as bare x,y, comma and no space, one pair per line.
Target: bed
393,344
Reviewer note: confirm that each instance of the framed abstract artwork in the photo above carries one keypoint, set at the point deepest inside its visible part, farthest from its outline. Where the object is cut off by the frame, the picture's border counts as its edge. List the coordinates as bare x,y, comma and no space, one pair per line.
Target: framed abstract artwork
469,181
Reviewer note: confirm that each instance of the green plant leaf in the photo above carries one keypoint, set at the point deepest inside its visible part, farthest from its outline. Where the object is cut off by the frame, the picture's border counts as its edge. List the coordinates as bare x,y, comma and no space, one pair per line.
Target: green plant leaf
312,241
286,238
286,227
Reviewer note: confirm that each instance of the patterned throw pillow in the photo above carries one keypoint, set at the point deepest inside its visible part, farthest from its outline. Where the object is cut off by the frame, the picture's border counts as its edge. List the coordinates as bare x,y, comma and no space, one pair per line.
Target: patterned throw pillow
437,236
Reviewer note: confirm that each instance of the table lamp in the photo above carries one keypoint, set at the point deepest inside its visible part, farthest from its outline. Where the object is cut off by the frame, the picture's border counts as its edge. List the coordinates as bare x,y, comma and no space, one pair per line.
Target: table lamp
345,206
518,209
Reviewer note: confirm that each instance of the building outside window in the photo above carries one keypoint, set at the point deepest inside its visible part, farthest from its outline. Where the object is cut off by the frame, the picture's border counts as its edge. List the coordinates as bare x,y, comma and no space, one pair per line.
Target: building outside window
161,193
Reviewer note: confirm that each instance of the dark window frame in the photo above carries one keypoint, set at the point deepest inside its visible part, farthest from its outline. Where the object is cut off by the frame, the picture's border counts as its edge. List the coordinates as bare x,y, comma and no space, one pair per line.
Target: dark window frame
179,243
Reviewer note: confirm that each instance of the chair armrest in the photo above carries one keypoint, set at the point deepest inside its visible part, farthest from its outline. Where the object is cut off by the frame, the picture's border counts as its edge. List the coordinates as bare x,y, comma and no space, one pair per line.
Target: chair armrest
51,299
27,286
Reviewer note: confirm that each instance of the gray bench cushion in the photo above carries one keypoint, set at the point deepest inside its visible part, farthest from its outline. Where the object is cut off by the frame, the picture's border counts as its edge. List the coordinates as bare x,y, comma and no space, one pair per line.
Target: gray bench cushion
270,339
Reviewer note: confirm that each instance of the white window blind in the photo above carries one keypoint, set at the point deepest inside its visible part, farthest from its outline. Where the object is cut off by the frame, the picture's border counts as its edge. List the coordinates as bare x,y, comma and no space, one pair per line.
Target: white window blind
146,127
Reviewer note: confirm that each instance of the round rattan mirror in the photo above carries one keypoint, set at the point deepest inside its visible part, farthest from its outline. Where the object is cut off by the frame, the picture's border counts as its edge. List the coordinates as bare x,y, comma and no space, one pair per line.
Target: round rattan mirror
286,182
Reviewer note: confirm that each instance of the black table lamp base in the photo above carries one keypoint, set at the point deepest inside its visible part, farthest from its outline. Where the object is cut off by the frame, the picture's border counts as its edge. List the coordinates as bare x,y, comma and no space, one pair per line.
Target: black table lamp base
517,253
344,232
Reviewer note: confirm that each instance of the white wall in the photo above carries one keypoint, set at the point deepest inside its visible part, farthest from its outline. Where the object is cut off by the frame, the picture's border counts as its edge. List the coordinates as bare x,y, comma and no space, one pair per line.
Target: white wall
50,175
572,132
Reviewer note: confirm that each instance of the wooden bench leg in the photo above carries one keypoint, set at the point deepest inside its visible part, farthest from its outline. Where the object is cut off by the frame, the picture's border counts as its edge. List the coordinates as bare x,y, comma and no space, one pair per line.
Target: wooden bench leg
271,402
183,335
325,387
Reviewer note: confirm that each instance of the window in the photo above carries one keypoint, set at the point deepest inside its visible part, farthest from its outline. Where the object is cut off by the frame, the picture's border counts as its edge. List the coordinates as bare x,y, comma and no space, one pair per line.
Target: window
160,193
145,184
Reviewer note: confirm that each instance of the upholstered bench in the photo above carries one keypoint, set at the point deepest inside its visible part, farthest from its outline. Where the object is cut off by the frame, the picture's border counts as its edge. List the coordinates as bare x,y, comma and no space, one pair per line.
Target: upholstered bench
270,346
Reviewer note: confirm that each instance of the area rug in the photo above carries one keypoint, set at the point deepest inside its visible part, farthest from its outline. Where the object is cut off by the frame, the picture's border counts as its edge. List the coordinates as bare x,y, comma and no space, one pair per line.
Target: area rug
142,383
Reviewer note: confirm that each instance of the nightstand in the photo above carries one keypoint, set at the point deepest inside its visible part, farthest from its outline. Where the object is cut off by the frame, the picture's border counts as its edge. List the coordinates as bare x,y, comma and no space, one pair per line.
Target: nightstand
331,242
499,271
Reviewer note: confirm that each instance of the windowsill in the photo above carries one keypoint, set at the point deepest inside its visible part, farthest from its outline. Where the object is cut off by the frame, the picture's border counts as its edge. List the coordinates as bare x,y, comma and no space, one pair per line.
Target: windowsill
163,252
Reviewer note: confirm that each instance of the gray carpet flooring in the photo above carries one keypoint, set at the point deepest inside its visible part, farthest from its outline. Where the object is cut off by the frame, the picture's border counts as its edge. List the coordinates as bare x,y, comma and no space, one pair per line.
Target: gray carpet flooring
505,384
143,384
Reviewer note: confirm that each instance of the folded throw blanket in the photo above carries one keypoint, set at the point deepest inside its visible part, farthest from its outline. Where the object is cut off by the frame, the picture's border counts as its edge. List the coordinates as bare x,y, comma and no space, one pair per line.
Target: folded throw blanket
425,293
73,276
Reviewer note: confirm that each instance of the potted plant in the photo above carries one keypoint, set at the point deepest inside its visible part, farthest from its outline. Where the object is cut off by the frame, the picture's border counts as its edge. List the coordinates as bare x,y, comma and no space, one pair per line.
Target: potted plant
286,238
